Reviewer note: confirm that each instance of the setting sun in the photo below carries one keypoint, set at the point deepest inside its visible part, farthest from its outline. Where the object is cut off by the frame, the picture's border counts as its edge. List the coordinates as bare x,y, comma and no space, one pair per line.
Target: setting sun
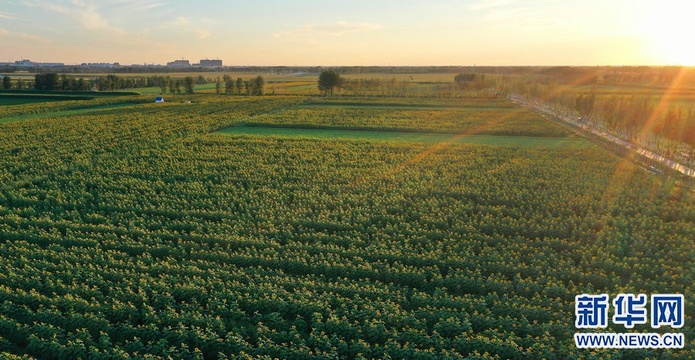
667,32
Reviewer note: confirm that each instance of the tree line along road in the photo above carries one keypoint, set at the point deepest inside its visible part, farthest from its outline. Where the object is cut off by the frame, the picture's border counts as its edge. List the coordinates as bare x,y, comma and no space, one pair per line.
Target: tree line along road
567,120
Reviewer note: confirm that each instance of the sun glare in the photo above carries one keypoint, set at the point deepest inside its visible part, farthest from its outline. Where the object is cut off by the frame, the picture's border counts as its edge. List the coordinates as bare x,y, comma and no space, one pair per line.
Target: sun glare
667,32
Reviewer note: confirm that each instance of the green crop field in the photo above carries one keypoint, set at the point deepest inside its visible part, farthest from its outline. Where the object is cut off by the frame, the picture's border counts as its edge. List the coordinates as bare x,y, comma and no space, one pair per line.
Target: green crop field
31,98
64,113
311,228
15,100
469,117
45,107
20,100
405,136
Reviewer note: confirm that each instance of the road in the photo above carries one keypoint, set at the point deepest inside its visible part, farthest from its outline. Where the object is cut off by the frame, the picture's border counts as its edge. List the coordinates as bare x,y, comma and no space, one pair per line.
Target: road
604,135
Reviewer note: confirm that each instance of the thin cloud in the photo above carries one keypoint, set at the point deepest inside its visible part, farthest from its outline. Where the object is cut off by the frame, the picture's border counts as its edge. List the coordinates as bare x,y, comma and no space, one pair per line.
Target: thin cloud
131,6
186,25
47,6
35,38
150,6
90,19
6,16
339,28
488,4
22,35
90,16
202,34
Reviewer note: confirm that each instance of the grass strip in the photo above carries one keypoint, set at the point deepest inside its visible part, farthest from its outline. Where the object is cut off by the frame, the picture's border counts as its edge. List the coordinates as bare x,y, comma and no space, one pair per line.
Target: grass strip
353,134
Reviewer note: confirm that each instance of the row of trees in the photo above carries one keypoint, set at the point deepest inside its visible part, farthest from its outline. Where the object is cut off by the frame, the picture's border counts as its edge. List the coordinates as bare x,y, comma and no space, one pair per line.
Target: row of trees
255,86
53,82
638,116
470,85
19,84
174,85
649,115
63,82
56,82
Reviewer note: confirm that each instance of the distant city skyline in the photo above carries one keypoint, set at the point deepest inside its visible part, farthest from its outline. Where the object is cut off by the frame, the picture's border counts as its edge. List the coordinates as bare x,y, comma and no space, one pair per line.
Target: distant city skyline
341,33
175,63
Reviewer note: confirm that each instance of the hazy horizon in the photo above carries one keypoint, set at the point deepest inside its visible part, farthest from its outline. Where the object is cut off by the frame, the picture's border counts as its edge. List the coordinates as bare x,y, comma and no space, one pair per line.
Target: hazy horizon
358,33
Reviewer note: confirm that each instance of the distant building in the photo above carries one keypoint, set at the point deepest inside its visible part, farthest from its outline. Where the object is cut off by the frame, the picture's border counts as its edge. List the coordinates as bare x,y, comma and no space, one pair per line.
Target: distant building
24,62
179,64
29,63
159,99
210,63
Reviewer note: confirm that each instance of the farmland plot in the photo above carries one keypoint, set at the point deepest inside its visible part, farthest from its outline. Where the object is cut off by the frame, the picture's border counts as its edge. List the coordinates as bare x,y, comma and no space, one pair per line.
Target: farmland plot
143,231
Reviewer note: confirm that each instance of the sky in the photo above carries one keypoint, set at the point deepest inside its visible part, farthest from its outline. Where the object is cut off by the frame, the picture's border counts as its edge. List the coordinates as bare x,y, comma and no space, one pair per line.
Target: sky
355,32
